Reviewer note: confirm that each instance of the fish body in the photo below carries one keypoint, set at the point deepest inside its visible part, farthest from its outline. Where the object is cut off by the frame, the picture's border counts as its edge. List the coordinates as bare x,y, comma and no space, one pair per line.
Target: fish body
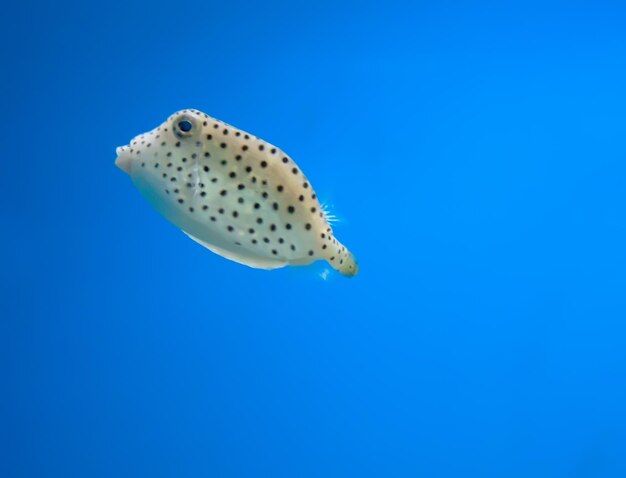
235,194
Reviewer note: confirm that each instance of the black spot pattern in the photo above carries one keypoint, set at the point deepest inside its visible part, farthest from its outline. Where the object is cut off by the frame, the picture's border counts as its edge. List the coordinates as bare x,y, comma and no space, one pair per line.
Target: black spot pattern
214,162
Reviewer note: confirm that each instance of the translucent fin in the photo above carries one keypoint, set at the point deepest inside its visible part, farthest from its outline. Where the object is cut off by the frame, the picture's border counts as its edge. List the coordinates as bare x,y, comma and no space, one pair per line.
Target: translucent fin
254,262
324,274
328,215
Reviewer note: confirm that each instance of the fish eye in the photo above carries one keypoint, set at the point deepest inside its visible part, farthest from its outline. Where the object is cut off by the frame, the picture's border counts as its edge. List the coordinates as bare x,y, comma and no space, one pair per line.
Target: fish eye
185,125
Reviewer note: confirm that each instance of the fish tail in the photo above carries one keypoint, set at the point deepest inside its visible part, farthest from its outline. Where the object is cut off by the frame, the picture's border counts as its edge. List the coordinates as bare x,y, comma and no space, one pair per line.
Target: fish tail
340,258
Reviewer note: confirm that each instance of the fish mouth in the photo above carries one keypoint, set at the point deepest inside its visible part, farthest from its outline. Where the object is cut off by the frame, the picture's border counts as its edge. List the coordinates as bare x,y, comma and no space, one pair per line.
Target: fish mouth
123,160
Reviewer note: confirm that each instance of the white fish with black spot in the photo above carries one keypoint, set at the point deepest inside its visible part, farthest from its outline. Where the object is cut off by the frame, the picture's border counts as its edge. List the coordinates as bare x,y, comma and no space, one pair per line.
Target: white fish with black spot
234,193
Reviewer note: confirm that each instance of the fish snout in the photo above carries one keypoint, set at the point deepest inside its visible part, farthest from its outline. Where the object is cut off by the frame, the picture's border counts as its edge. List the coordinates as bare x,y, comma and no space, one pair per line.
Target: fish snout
123,160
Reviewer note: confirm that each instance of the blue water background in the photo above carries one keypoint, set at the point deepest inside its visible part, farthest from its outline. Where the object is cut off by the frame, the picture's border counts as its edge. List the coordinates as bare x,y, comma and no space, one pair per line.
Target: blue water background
476,153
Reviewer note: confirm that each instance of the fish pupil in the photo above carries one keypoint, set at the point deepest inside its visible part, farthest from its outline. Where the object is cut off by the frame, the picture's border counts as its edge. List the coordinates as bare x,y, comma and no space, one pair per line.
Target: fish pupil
185,125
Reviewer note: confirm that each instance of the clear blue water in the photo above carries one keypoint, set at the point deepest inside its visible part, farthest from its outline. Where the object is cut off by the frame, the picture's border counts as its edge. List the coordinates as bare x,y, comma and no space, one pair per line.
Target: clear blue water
476,153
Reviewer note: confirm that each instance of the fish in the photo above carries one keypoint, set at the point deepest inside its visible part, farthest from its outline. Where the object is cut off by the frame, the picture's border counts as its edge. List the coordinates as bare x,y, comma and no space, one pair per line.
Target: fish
233,193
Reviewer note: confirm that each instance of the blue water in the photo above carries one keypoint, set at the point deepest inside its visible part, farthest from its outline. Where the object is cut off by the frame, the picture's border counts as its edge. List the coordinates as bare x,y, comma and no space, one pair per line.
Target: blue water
476,153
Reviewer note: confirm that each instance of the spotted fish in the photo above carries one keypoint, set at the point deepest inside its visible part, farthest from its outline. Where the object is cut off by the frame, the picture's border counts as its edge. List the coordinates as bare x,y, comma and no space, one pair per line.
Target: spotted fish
233,193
